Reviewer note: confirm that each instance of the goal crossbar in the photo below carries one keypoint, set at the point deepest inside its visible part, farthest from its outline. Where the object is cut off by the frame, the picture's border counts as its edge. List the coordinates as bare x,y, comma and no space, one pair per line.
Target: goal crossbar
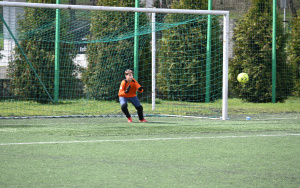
225,15
117,9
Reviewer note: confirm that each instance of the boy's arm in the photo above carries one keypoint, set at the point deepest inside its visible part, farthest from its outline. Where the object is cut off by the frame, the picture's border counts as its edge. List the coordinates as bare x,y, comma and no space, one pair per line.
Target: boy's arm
141,89
128,88
122,88
138,87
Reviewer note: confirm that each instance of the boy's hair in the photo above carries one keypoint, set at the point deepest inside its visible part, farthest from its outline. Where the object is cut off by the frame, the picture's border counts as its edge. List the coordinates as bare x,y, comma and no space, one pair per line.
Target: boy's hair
128,71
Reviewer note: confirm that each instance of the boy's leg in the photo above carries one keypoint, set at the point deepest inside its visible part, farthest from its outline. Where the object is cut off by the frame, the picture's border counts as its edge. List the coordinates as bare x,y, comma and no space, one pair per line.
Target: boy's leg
135,101
124,106
140,112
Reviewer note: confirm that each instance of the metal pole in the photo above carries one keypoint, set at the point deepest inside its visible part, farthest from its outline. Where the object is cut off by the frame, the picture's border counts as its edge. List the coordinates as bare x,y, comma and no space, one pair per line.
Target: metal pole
283,5
208,55
116,9
225,68
153,60
57,46
284,20
136,42
274,52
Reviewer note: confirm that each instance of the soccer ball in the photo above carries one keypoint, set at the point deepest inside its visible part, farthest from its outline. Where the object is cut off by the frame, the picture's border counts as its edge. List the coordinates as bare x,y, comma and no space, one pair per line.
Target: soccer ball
243,77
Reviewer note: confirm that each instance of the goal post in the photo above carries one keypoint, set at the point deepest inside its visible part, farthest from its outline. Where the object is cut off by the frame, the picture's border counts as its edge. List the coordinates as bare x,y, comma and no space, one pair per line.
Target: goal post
152,30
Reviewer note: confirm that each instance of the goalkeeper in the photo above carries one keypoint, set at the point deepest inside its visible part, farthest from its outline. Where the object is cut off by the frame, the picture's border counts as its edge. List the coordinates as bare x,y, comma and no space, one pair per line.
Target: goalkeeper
127,92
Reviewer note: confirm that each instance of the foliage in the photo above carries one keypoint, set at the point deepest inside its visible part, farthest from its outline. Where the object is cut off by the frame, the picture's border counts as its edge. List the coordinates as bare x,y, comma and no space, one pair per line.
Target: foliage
37,39
253,55
182,56
294,54
111,49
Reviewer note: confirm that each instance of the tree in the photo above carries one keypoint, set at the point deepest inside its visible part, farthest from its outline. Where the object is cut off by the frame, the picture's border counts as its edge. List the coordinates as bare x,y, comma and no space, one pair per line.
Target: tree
253,55
37,40
111,50
182,55
294,54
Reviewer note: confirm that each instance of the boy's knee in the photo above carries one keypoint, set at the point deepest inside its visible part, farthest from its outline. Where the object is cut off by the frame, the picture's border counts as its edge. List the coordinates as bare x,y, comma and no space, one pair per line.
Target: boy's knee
140,108
124,106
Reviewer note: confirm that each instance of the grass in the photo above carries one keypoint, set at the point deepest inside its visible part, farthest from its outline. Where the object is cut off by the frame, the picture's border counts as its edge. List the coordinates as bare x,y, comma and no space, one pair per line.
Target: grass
166,152
92,107
237,106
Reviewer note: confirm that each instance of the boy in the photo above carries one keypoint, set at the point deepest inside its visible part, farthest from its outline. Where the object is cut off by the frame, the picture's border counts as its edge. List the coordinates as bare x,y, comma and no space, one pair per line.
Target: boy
127,92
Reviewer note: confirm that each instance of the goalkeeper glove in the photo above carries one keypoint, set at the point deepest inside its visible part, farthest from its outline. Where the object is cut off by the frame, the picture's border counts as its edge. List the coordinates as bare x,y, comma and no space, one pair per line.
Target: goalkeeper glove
128,89
140,88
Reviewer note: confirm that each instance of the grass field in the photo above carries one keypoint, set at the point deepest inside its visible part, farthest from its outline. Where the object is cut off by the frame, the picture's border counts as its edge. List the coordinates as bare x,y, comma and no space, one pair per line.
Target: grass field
236,107
166,152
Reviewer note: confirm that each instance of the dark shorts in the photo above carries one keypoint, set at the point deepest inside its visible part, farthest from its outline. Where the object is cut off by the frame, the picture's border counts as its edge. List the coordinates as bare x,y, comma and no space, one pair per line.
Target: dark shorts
134,100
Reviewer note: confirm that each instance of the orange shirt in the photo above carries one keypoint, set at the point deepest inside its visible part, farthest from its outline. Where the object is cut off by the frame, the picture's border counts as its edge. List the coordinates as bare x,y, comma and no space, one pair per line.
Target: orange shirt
134,86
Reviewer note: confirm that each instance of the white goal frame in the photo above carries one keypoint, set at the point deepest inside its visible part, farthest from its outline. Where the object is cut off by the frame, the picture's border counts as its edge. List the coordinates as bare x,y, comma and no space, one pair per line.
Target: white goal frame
225,15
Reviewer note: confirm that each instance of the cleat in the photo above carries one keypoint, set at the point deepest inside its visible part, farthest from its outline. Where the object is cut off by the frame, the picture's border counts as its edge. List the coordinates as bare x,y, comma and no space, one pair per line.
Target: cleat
129,120
143,121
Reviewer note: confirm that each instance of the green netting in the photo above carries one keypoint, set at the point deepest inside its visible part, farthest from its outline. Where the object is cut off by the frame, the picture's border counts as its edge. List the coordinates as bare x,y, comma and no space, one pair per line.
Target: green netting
96,47
180,61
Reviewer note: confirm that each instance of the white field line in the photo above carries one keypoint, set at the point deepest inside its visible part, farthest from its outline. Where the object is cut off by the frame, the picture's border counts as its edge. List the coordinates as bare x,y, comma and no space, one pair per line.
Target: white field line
44,124
147,139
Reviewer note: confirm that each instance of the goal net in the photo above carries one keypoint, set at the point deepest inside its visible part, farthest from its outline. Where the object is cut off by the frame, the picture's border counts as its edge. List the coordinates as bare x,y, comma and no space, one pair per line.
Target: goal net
69,60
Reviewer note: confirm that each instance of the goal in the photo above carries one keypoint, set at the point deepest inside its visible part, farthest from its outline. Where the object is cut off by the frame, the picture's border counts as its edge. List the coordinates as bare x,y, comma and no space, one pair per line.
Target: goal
69,60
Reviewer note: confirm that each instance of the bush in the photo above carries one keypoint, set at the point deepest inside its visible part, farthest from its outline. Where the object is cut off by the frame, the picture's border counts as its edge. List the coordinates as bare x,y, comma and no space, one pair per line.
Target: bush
294,54
253,55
